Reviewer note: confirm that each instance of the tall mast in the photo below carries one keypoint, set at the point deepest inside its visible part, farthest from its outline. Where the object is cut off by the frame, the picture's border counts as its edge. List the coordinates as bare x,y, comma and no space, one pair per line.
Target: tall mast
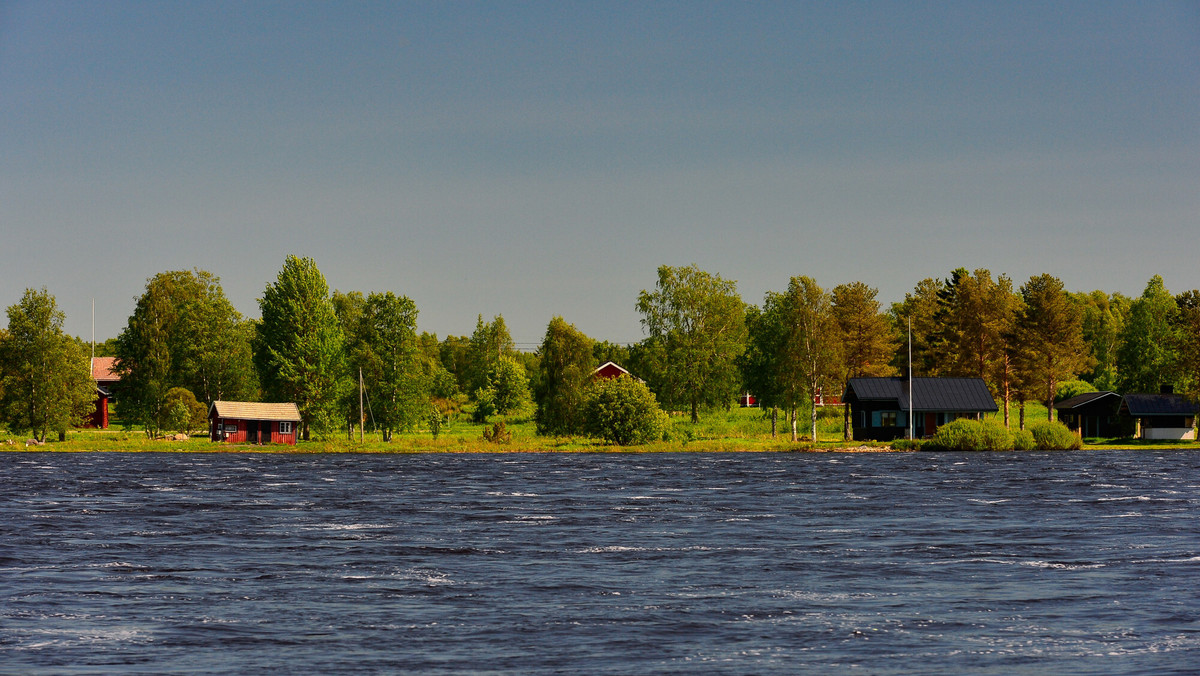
911,424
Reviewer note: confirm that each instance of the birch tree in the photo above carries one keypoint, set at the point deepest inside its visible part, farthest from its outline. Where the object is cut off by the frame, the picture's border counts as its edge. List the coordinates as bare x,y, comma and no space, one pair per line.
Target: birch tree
697,328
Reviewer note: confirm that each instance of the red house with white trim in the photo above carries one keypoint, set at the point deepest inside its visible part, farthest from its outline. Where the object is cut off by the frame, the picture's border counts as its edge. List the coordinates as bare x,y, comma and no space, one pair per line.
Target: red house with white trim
251,422
105,377
611,371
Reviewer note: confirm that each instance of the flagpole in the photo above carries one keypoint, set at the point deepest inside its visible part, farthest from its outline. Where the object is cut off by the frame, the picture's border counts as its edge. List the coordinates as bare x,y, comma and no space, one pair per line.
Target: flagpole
911,423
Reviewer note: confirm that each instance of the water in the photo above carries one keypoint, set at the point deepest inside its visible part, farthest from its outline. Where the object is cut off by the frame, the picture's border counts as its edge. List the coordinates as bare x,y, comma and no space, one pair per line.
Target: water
600,564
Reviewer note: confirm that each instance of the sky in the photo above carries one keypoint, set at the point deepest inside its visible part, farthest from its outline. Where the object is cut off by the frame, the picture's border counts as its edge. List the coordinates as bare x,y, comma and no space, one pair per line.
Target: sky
533,159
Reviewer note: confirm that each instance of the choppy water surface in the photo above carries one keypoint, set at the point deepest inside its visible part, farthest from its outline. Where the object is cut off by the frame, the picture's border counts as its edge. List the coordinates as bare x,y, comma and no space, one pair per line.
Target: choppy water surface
610,564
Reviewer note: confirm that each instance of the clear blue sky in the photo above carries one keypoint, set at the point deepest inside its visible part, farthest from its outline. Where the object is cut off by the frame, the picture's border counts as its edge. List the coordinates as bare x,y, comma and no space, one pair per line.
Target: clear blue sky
534,159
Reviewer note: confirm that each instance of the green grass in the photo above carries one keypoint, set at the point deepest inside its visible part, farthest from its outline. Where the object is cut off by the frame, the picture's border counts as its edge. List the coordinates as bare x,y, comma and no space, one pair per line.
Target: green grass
738,429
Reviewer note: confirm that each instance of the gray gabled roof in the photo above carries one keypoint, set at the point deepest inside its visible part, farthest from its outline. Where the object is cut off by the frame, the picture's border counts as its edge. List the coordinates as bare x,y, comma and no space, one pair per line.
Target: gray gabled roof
928,394
1080,400
1141,405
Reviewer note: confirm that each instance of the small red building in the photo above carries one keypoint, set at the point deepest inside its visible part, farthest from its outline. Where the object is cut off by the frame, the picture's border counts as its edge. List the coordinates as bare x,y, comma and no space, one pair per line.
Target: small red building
247,422
105,378
611,371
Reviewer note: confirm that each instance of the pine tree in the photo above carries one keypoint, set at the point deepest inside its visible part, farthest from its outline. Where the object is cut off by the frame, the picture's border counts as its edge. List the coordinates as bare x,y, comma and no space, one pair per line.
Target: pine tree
867,337
1048,338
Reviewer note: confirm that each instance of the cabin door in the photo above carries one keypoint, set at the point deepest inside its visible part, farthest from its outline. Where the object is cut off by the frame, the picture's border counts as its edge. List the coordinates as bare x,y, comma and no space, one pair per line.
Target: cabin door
930,424
266,432
251,432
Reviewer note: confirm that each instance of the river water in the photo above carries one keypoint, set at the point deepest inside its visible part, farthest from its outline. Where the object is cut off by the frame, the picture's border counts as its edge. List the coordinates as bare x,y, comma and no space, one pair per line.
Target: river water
1085,562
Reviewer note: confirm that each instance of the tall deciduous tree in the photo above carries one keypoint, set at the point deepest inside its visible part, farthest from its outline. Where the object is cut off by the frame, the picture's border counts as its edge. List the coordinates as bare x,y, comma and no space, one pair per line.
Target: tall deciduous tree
866,336
696,322
1187,333
760,362
811,357
1048,338
565,367
1104,318
381,337
183,333
488,344
1146,357
47,384
300,346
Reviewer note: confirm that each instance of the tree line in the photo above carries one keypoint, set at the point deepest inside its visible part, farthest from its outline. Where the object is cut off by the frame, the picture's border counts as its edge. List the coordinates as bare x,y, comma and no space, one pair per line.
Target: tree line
185,346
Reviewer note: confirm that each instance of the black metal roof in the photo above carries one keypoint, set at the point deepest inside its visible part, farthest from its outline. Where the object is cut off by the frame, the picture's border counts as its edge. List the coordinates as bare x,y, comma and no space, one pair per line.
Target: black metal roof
1139,405
928,394
1081,400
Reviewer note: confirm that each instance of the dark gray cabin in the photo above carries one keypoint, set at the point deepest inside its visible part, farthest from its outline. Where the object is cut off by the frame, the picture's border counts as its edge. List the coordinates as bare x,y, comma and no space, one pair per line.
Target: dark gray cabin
1094,414
879,406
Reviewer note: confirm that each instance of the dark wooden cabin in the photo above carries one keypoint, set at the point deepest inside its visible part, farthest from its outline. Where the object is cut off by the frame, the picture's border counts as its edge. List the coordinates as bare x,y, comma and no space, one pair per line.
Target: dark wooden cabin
879,407
1094,414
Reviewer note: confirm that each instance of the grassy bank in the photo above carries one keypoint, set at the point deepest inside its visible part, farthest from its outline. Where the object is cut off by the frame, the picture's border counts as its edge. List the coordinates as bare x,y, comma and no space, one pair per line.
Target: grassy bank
744,430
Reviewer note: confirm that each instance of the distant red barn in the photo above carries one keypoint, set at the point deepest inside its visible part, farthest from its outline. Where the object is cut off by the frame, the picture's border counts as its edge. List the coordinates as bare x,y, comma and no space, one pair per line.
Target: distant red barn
611,370
105,378
247,422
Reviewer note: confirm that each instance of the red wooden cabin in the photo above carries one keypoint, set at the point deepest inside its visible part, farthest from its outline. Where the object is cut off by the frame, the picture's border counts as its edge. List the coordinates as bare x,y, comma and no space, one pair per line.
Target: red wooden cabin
248,422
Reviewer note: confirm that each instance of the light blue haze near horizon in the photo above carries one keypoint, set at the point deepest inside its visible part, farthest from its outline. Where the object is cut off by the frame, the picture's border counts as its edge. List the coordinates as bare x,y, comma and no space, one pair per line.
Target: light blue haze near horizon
540,159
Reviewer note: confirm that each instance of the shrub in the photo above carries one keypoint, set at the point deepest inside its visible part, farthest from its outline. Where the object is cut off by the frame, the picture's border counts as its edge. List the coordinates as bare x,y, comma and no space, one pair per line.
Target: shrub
1054,436
497,434
1022,440
1072,388
958,435
907,445
623,411
995,436
182,413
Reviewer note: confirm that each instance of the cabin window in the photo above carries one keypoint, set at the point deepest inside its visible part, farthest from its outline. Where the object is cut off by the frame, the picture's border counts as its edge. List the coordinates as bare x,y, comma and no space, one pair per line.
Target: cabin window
285,427
230,429
888,419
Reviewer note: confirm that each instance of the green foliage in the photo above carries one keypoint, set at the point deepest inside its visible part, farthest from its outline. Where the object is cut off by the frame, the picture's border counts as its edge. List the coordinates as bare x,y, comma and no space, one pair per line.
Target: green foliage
1053,436
921,307
697,331
181,412
488,344
623,411
485,404
907,444
1187,332
382,344
1023,440
1072,388
45,374
184,332
965,434
1147,357
566,366
509,385
300,346
1104,318
1048,340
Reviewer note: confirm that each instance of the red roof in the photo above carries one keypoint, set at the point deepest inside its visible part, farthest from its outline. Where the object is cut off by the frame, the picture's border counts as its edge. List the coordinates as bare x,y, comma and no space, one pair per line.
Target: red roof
102,369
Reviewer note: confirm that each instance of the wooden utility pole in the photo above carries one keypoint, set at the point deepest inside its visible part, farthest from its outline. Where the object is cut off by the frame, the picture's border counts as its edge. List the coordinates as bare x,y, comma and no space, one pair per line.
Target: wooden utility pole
362,421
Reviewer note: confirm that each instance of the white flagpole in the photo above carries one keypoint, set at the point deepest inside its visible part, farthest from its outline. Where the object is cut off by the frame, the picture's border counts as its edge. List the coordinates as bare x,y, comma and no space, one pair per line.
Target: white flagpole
911,423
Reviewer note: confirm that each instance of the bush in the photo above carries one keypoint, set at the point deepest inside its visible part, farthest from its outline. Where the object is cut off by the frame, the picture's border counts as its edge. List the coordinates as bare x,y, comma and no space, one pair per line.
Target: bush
1072,388
958,435
1023,440
995,436
907,445
1053,436
182,413
623,411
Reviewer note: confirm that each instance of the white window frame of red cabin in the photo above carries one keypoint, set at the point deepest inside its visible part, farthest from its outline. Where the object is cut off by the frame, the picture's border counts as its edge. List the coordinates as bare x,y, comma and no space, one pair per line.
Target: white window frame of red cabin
285,426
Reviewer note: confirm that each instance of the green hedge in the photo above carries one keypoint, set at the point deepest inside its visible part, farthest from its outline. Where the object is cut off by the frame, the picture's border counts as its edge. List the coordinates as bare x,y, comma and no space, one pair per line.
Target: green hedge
990,435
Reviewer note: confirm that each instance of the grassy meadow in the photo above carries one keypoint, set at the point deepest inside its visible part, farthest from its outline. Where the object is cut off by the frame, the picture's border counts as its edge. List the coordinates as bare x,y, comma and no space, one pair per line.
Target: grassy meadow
738,429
